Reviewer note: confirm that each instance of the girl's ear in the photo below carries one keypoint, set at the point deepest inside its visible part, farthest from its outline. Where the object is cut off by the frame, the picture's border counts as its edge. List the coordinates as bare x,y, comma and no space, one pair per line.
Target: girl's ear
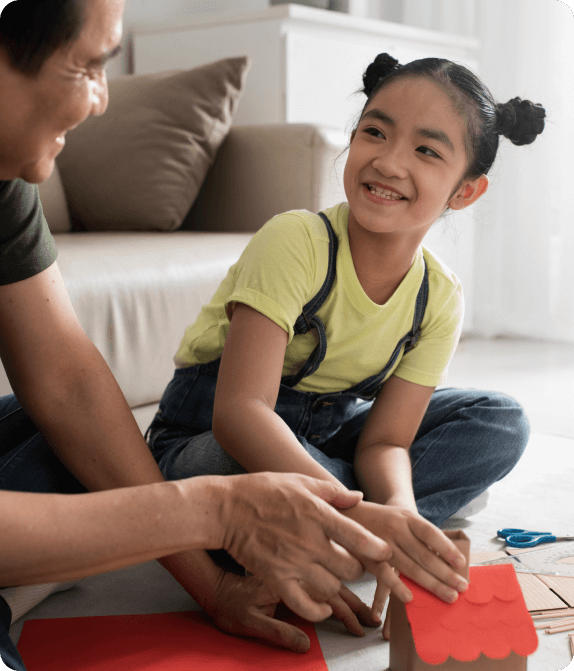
468,193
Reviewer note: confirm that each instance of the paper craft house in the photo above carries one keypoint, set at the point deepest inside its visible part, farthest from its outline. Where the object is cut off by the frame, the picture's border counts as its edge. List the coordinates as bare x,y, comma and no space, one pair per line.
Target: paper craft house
488,628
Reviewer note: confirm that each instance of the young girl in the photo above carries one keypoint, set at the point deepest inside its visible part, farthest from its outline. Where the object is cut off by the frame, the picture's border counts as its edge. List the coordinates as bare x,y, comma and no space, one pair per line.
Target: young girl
321,350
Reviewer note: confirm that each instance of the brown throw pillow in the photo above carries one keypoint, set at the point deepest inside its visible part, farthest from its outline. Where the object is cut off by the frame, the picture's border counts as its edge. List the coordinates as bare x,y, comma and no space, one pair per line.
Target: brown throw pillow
141,164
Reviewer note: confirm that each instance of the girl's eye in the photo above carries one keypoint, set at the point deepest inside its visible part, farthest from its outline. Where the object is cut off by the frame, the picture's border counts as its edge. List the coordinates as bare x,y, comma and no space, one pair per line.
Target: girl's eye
428,152
375,132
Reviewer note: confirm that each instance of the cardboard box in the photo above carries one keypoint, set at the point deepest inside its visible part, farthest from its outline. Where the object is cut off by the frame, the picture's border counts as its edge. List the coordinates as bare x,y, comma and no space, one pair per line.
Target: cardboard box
446,634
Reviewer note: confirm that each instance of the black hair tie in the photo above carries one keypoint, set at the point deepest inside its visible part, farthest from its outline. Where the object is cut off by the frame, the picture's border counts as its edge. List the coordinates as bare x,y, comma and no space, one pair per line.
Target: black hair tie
381,67
520,120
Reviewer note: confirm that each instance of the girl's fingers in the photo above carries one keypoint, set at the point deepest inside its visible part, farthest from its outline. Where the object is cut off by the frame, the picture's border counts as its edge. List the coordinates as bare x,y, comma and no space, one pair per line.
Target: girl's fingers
388,581
387,626
442,546
413,570
380,599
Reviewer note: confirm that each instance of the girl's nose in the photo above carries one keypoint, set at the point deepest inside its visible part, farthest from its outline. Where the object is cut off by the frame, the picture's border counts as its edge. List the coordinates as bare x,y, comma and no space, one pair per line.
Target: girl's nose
99,95
392,161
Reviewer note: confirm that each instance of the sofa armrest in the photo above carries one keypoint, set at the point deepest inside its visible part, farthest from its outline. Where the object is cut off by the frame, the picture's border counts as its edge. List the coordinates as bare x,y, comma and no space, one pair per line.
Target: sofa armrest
263,170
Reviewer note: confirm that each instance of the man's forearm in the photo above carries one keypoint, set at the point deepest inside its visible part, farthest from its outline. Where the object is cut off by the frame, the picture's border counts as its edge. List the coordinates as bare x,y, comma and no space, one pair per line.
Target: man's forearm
114,454
85,417
196,573
52,537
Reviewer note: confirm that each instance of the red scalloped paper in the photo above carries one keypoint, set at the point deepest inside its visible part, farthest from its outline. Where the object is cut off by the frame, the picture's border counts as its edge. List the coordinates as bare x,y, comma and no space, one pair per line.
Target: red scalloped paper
489,618
158,642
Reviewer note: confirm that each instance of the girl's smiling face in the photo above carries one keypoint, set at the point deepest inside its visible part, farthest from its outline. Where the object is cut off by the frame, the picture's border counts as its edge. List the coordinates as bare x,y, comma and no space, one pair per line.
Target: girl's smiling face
406,158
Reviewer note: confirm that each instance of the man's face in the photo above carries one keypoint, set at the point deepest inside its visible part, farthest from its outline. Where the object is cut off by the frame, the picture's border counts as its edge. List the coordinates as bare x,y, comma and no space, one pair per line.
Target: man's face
36,112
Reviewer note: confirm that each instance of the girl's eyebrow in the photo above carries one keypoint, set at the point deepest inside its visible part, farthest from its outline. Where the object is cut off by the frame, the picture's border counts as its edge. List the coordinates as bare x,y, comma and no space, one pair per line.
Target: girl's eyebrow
430,133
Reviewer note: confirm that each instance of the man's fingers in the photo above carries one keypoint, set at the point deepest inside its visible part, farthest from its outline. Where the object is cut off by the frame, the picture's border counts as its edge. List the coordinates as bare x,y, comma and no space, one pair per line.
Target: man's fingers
340,562
322,582
297,599
359,607
281,633
356,539
342,611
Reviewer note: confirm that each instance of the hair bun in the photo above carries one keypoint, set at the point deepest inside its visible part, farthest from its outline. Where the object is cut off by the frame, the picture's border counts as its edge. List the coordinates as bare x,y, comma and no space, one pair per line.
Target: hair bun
520,120
382,66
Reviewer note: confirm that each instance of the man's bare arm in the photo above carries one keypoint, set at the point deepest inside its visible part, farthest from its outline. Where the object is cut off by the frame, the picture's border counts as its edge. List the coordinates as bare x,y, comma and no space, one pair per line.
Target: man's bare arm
53,537
67,388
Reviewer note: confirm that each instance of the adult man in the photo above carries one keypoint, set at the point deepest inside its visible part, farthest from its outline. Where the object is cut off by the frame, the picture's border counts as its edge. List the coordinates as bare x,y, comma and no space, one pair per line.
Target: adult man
52,59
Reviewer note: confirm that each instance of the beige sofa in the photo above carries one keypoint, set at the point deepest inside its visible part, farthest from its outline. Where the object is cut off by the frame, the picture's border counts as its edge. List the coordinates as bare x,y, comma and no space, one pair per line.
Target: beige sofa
135,291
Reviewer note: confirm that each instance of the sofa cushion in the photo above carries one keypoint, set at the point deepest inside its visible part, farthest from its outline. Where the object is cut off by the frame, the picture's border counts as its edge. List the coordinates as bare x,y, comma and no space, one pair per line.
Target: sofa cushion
54,203
141,164
135,294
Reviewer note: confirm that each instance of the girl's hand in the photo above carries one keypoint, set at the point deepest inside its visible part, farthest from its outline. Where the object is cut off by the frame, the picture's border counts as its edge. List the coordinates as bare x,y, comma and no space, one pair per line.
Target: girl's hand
420,551
243,606
348,608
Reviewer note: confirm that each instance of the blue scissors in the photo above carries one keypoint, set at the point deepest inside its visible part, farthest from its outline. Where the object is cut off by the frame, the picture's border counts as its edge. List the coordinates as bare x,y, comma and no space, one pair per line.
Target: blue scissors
521,538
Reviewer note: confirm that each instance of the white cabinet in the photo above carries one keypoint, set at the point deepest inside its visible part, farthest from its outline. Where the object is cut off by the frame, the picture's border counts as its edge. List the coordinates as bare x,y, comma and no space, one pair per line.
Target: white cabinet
307,63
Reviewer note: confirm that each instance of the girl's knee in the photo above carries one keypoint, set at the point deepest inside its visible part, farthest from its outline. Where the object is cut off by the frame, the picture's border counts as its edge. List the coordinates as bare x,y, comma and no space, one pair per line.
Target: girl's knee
511,422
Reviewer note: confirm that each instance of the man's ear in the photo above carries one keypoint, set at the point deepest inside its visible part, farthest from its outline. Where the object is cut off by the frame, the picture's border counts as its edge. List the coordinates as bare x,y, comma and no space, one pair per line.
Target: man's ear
468,193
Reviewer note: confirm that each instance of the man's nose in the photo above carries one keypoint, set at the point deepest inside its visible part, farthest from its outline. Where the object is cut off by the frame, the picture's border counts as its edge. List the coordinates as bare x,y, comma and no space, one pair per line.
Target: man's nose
99,95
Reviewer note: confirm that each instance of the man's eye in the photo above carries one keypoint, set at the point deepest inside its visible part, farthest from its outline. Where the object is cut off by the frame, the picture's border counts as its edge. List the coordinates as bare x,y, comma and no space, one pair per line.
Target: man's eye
428,151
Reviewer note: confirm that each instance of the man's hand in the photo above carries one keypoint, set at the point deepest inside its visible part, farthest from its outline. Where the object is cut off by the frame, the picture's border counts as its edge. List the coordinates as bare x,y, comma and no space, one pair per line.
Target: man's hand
420,551
281,528
244,606
348,608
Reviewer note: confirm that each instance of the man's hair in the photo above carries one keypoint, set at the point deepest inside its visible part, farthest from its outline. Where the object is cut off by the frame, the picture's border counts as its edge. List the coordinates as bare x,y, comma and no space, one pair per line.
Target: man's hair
32,30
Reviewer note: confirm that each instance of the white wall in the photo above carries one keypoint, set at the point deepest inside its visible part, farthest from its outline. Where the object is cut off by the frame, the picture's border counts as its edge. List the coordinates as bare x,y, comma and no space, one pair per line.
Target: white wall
524,283
154,13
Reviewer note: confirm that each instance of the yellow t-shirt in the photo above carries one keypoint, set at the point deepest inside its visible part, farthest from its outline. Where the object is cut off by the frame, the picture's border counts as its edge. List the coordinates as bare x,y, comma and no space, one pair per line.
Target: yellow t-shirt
285,265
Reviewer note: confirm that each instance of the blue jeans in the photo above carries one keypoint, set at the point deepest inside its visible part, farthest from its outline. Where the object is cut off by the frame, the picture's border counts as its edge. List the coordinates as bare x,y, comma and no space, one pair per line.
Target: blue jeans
468,439
8,652
27,462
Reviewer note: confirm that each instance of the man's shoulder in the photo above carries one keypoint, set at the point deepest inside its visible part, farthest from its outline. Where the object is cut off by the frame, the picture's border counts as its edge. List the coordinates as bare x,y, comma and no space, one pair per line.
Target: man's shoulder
26,244
17,191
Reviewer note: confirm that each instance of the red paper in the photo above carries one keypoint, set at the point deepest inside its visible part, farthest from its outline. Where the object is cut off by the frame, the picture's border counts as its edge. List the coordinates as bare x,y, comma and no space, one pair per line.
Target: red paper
490,617
158,642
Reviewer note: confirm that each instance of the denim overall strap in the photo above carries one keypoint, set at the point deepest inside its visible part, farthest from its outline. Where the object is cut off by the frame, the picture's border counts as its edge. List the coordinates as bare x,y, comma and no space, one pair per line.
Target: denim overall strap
368,388
308,318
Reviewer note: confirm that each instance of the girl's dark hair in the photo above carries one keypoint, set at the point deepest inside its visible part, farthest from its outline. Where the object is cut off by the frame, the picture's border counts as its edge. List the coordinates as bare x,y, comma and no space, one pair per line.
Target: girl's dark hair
32,30
518,120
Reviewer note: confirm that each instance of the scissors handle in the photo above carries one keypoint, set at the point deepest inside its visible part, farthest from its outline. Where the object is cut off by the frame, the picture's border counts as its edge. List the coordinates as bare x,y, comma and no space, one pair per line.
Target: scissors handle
528,540
505,533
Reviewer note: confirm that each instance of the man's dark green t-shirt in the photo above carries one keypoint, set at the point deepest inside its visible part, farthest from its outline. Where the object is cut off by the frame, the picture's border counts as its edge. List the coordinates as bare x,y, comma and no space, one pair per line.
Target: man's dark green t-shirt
26,244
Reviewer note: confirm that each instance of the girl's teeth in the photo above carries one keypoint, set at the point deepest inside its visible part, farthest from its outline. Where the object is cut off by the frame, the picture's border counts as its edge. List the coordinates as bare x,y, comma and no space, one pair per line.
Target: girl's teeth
385,193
